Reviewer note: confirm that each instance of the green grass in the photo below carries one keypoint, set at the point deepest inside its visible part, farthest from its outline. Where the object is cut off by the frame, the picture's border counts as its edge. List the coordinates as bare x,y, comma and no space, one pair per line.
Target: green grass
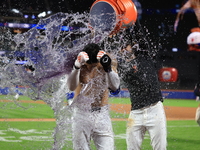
118,115
167,102
25,110
11,97
26,135
181,103
182,135
31,135
119,100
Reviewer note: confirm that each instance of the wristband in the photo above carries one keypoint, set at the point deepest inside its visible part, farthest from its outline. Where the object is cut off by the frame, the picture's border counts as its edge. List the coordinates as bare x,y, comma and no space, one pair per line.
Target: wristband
76,67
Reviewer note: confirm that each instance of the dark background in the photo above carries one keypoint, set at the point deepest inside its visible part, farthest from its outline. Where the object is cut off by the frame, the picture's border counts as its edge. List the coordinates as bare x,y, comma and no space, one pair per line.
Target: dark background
77,5
158,17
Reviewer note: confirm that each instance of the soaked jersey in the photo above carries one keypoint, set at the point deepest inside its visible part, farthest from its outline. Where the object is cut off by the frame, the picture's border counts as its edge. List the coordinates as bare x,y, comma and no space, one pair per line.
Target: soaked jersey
140,78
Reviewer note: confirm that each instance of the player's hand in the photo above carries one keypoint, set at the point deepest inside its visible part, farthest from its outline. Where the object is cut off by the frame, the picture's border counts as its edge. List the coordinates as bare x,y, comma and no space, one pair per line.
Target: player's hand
100,55
81,59
105,61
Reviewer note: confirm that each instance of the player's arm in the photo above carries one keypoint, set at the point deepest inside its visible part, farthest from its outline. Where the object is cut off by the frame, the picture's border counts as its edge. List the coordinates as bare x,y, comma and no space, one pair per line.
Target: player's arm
73,78
113,77
109,67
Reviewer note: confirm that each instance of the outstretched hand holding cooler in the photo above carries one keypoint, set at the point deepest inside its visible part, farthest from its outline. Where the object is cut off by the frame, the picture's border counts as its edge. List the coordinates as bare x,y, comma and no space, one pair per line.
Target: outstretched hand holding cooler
81,59
105,61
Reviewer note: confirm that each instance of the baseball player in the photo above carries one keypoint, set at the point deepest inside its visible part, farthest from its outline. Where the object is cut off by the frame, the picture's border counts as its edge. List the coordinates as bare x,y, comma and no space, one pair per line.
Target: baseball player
197,115
197,90
94,75
137,71
147,112
197,93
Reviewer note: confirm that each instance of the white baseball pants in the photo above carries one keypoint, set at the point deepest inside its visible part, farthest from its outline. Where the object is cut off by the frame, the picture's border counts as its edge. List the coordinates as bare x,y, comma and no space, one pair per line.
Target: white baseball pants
96,125
151,119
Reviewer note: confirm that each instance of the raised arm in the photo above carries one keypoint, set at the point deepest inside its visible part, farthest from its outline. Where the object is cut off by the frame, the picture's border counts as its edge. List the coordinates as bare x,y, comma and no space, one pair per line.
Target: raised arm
109,66
73,78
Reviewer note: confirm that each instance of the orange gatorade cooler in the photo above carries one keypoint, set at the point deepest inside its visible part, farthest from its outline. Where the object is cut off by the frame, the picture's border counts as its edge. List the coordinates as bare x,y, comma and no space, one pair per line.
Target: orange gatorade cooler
112,15
168,74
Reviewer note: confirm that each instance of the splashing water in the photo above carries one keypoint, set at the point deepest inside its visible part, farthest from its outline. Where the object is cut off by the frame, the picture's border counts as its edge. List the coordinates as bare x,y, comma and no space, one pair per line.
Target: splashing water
52,52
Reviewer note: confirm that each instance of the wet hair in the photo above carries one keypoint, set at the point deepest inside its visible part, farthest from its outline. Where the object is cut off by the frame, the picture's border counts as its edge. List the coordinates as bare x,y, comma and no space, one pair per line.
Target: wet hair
92,50
137,35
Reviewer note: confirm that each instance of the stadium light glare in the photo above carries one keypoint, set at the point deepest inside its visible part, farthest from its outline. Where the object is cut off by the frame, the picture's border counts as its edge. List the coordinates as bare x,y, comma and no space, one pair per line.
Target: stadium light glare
49,12
15,11
43,14
33,17
26,16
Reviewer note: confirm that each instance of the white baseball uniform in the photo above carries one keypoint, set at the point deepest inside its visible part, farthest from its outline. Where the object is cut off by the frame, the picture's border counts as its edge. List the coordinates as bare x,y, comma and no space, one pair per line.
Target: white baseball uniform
92,124
151,119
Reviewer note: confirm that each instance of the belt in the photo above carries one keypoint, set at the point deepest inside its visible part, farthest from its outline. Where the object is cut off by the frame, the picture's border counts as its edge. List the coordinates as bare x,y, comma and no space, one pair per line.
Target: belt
149,106
95,109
